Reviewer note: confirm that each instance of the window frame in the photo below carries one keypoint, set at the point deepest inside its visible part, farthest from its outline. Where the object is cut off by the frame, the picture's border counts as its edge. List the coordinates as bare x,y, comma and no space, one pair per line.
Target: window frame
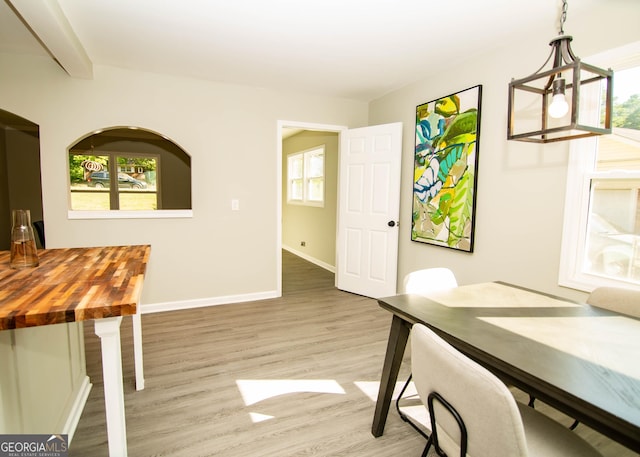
306,156
580,174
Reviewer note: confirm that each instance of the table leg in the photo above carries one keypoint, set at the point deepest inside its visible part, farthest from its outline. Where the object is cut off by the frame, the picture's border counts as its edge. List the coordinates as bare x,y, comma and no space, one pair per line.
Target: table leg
398,336
108,330
137,350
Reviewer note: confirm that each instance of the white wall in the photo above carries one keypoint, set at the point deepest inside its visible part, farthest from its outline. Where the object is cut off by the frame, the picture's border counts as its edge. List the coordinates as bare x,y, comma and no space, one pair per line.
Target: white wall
229,131
521,187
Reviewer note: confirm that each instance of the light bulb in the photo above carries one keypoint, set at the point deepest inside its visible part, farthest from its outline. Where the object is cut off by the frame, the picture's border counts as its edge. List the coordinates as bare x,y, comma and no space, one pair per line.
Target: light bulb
559,106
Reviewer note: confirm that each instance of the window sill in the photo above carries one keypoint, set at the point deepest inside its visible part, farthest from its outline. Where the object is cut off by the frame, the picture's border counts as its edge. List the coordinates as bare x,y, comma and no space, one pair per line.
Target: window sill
159,214
307,203
586,282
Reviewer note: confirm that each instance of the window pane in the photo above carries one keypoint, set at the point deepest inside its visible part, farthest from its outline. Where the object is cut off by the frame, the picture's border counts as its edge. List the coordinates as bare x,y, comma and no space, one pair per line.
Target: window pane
295,166
88,177
613,231
316,190
296,190
621,149
90,201
315,165
137,172
136,183
138,201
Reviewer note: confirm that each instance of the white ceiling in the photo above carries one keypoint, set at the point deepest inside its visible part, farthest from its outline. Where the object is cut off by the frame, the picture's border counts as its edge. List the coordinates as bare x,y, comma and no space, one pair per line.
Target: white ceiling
357,49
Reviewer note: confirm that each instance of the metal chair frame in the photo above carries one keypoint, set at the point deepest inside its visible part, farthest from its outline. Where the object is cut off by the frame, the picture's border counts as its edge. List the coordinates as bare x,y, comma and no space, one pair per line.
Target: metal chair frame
532,404
433,440
402,415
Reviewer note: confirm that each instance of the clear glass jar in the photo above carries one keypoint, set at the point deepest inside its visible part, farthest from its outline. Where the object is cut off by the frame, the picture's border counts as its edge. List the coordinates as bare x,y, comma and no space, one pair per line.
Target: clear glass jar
24,253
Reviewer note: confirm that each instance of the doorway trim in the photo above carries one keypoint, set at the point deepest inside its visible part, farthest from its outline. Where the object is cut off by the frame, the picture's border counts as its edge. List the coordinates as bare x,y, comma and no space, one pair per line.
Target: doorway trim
279,181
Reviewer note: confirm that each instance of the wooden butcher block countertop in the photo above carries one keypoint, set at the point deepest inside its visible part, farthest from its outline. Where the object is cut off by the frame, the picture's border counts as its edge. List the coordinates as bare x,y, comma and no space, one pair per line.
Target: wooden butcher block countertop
72,284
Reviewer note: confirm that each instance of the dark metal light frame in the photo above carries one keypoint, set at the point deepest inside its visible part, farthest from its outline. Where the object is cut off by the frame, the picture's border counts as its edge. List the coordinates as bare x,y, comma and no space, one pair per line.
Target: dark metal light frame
590,107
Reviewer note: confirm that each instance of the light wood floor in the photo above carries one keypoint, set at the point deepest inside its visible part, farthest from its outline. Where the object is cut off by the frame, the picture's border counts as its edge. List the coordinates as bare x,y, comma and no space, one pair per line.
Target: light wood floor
308,365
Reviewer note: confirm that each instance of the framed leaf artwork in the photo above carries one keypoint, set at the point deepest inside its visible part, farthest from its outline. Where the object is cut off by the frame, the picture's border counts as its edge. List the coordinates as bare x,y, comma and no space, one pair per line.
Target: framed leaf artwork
445,170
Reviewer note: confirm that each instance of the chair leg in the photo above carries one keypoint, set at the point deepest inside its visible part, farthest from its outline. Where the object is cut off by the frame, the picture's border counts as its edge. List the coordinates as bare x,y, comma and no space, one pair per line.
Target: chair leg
402,415
532,400
426,448
406,384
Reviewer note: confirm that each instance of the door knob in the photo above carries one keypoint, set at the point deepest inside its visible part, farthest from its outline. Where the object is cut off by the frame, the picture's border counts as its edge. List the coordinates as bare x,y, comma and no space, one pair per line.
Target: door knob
393,223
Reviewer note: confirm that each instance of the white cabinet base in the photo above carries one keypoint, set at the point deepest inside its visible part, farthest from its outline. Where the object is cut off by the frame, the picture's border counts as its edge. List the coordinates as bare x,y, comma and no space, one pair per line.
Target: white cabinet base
44,379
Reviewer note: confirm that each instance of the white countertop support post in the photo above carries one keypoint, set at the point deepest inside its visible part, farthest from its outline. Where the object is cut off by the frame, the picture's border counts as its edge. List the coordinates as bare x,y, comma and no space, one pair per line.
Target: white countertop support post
108,329
137,349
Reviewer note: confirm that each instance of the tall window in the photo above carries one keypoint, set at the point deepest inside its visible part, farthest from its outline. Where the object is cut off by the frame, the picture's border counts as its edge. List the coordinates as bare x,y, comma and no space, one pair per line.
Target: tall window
305,177
601,239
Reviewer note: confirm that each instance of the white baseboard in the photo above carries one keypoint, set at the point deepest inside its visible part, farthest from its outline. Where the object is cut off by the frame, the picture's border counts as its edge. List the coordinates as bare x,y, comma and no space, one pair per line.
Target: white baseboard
308,258
70,425
228,299
203,302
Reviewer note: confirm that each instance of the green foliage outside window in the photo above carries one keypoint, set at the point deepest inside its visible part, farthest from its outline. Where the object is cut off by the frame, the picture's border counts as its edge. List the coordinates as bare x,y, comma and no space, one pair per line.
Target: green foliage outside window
76,171
627,114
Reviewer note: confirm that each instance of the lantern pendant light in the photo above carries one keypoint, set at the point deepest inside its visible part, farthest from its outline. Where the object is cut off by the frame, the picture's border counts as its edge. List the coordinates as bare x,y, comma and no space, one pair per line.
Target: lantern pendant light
566,100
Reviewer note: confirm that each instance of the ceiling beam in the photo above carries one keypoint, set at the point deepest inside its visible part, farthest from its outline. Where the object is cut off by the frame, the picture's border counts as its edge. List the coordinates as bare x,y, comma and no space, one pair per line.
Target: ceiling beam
46,20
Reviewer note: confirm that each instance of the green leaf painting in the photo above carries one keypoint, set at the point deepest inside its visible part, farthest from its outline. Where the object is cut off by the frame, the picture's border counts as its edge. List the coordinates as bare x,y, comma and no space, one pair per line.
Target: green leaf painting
445,167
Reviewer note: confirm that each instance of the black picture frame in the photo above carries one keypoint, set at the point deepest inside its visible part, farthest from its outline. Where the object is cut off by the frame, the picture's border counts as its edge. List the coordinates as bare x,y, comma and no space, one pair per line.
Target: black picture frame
445,170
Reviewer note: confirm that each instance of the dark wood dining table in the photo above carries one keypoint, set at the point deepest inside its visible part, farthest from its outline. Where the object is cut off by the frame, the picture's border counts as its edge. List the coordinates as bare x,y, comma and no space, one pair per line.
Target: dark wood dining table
582,360
102,284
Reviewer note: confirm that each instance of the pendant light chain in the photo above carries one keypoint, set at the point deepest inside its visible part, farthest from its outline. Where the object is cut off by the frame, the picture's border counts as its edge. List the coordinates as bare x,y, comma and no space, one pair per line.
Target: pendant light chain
563,16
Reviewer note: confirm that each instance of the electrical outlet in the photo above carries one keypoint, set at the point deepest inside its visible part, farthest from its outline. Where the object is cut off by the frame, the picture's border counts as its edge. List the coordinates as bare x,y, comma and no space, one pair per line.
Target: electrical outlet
303,243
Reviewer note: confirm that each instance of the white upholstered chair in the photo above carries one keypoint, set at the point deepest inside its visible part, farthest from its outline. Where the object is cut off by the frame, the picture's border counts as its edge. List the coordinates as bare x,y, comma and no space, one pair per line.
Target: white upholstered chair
490,422
408,404
623,301
429,280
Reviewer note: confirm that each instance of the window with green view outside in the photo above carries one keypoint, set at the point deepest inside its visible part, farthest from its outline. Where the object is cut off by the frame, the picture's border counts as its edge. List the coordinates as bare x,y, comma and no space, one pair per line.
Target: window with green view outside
113,181
601,242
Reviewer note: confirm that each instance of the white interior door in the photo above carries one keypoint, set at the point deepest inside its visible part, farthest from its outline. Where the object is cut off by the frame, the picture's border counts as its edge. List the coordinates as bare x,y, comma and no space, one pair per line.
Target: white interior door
368,210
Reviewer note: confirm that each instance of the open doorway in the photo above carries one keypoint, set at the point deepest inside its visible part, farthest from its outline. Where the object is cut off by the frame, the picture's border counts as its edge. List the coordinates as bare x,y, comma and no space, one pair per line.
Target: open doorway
367,215
308,231
19,173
